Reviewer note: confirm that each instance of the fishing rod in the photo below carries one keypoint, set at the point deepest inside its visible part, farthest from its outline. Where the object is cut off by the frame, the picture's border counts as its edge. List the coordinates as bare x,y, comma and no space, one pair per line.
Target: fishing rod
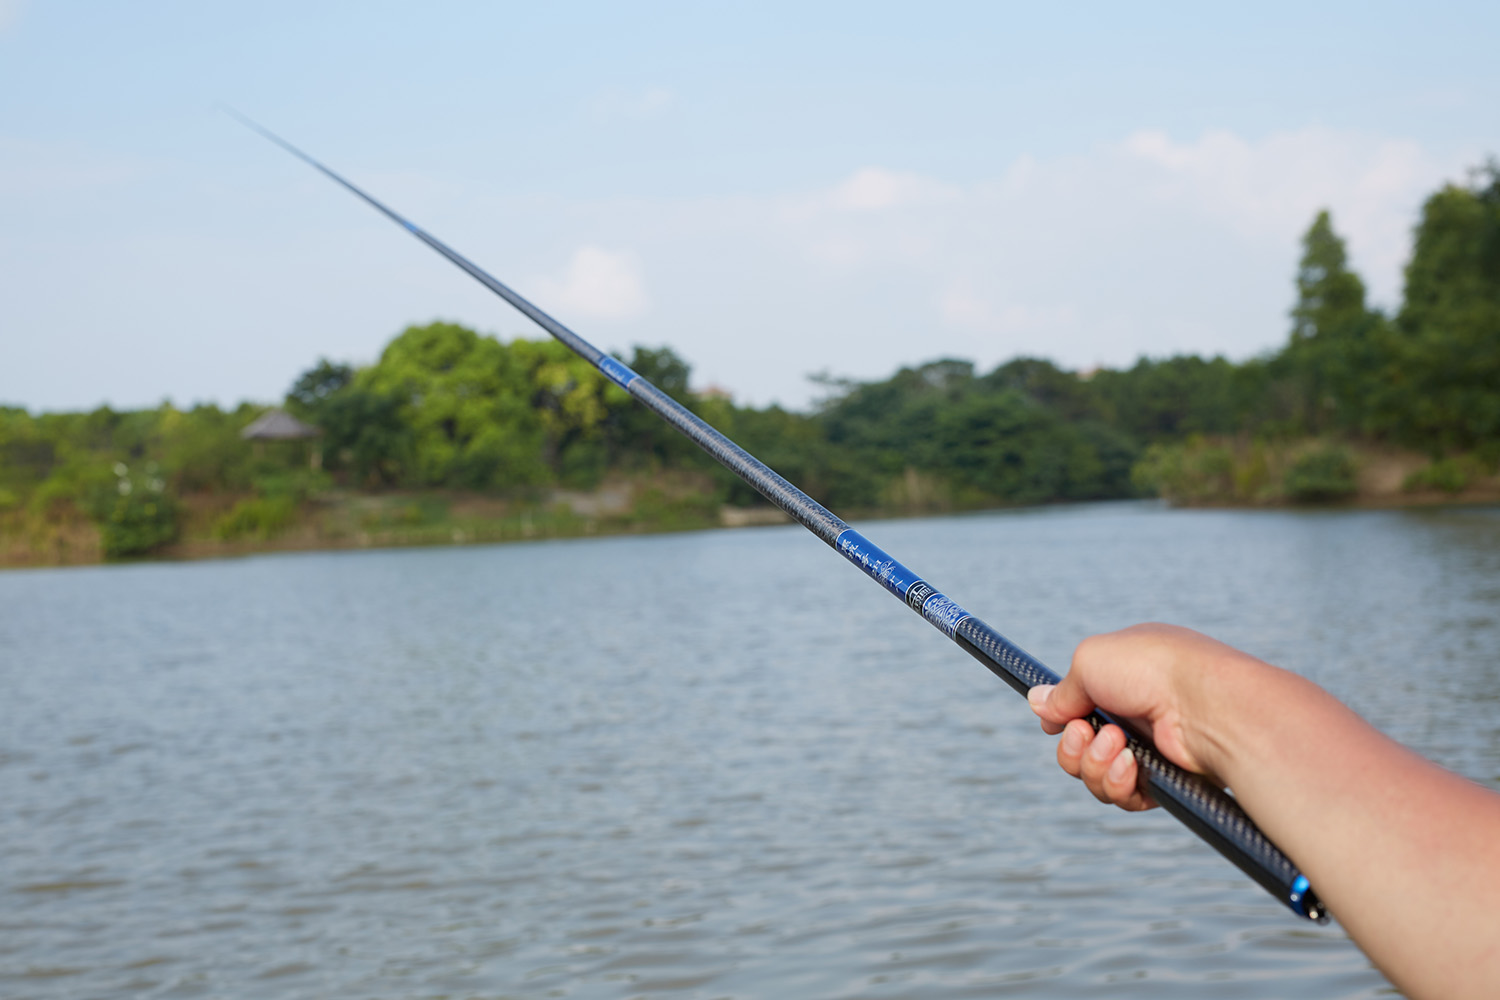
1208,811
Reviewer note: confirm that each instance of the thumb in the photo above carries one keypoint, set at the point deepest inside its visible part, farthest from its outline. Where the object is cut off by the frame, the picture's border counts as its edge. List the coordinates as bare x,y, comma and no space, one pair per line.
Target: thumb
1060,703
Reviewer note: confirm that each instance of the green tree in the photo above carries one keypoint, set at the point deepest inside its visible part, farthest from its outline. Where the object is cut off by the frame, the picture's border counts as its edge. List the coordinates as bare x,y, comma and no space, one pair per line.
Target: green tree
1013,449
1025,433
201,449
365,436
795,445
316,386
892,423
1177,396
1442,388
26,454
467,405
1332,352
1062,392
481,414
637,437
572,401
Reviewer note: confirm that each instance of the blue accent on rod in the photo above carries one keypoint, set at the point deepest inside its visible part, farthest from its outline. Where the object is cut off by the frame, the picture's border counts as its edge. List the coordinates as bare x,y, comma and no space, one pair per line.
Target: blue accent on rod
944,612
618,373
876,563
1299,891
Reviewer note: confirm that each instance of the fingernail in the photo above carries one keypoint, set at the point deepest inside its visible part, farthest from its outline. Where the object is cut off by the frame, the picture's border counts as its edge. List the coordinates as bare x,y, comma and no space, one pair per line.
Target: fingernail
1039,694
1072,739
1123,761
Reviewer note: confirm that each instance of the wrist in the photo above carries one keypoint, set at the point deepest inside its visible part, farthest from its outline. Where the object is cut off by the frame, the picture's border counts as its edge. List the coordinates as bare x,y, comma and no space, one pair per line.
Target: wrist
1233,706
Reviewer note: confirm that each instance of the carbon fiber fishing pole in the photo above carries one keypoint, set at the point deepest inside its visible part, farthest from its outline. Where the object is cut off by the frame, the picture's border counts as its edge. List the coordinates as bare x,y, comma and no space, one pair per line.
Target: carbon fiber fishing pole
1206,810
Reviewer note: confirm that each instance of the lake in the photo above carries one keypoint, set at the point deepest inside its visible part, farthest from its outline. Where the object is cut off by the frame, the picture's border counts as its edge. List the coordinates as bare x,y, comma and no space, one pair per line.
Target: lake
721,764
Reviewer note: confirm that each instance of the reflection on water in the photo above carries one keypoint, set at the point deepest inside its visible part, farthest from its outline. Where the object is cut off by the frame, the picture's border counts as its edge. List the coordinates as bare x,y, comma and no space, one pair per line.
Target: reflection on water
706,765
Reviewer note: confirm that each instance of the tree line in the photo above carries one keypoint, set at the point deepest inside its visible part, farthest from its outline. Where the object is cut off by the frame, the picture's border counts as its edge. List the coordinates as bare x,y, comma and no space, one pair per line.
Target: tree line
446,408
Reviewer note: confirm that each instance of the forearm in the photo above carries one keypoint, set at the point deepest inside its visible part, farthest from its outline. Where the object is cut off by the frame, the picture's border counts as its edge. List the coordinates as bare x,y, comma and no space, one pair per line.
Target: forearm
1405,854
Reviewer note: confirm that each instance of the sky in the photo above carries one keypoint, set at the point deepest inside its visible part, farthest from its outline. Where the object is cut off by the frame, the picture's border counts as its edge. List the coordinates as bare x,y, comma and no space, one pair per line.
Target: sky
772,190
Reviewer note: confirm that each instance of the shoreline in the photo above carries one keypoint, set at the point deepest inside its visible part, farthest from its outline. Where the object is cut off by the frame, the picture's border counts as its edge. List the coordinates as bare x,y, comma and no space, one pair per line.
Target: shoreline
562,521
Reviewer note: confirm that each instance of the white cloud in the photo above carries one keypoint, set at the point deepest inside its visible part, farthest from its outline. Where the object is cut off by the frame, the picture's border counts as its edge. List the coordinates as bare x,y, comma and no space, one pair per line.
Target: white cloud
1148,245
872,189
1151,238
596,284
874,217
1273,187
961,305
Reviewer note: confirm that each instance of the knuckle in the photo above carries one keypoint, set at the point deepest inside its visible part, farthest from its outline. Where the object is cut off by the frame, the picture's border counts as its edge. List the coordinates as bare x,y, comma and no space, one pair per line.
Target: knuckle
1087,650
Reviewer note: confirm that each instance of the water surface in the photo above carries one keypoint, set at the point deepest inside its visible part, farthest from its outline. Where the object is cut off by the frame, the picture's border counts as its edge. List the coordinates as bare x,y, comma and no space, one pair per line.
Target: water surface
705,765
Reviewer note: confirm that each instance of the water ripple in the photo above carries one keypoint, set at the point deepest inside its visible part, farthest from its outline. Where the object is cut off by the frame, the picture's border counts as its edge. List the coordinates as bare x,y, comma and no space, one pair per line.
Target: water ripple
713,765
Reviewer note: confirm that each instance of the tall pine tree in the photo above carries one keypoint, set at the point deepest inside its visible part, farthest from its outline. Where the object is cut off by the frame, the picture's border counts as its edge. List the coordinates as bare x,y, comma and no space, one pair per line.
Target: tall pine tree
1333,346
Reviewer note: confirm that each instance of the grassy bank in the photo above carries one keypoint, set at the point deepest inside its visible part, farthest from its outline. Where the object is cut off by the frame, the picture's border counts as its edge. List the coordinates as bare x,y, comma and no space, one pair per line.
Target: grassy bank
224,524
1203,471
1224,471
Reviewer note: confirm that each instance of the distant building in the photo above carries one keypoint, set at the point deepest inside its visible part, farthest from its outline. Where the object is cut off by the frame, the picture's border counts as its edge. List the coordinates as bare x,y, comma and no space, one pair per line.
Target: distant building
278,425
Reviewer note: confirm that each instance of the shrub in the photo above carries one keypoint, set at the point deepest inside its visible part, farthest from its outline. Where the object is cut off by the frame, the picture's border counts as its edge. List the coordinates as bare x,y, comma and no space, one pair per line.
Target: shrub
135,513
296,485
1193,472
1488,456
1451,475
655,509
258,517
1322,475
138,523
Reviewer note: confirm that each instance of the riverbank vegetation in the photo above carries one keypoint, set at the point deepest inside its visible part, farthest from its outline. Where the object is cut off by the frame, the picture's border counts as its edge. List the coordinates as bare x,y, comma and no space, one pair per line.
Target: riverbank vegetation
452,436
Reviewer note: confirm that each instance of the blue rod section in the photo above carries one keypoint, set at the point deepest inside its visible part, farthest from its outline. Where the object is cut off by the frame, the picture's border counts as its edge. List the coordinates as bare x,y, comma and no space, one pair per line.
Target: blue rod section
1208,811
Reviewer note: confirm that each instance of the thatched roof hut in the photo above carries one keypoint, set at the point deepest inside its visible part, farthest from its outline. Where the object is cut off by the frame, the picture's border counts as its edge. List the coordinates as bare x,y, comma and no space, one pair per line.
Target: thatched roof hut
279,425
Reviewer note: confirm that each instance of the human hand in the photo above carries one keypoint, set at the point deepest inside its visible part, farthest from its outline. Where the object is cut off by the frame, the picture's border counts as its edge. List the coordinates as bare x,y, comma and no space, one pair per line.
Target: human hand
1406,853
1152,676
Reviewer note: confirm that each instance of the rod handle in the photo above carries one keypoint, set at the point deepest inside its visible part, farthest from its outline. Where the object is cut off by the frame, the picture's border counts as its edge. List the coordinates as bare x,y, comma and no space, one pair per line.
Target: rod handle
1213,814
1201,806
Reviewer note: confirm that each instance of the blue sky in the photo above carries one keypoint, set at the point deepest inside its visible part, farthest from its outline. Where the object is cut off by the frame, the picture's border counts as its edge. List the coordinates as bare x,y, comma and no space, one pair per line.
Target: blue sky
772,190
